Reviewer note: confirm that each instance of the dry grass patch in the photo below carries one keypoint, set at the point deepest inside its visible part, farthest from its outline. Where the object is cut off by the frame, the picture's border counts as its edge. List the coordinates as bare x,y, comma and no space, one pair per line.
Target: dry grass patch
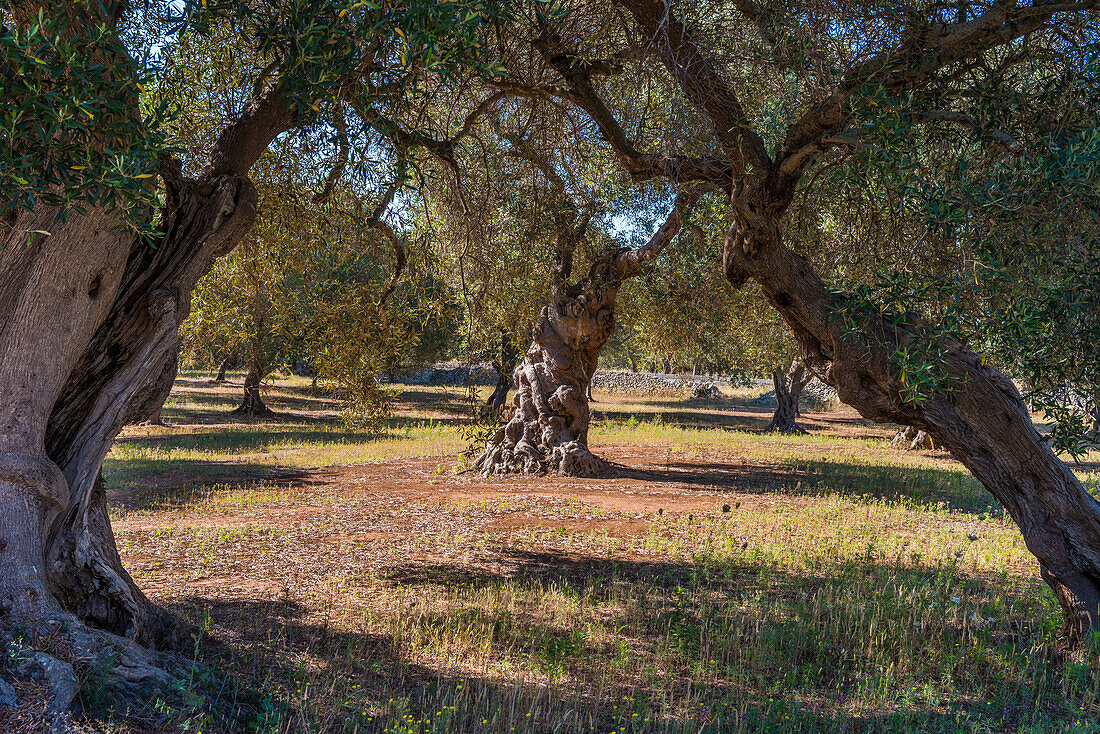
723,581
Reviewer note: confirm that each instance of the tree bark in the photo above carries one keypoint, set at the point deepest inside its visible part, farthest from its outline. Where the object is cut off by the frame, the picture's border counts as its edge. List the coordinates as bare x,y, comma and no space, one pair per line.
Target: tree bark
88,344
983,423
89,316
549,429
973,411
788,389
224,365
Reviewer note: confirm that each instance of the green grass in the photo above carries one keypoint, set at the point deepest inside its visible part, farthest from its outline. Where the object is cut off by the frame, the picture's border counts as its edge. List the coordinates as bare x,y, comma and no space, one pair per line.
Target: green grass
740,583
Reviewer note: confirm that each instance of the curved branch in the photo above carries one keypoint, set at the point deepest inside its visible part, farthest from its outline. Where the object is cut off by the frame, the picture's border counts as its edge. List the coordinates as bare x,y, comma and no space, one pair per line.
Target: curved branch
377,223
242,143
581,92
702,83
341,157
629,263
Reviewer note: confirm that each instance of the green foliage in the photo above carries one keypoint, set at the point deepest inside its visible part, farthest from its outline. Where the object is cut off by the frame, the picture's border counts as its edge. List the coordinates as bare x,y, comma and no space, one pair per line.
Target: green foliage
684,311
71,135
316,45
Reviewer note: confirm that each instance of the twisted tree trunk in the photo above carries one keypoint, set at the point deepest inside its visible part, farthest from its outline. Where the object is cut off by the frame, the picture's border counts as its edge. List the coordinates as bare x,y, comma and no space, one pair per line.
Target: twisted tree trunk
976,413
224,365
549,429
92,315
788,389
252,403
88,340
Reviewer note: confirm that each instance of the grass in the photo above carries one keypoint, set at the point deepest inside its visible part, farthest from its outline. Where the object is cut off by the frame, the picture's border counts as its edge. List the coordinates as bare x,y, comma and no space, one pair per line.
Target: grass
727,581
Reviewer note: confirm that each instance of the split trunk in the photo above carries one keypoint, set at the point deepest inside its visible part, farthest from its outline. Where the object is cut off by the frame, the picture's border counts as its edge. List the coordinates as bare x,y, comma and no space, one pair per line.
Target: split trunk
788,389
89,316
88,342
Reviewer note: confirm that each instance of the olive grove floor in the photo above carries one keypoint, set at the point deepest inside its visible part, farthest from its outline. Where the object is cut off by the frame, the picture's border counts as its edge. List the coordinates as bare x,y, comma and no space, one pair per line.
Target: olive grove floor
723,580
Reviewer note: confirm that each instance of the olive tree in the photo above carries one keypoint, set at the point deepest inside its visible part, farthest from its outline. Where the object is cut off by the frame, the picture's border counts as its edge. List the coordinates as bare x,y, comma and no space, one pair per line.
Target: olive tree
105,227
782,91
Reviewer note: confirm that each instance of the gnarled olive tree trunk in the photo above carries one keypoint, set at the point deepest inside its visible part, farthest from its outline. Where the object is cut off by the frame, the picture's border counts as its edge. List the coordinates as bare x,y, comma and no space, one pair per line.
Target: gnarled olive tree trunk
976,413
788,389
549,429
223,366
88,341
252,403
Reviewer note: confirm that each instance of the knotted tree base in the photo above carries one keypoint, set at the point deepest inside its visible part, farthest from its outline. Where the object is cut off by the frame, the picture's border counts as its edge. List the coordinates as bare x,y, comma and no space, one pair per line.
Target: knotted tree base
549,429
57,671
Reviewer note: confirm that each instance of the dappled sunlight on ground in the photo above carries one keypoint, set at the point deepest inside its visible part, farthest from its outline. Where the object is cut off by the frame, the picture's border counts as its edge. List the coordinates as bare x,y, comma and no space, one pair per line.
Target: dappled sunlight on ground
717,580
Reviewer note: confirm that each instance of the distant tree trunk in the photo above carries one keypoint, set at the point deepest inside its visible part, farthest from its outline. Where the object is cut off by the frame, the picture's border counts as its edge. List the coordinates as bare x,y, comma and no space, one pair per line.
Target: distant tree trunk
912,439
252,405
549,429
788,389
224,366
633,363
666,365
505,365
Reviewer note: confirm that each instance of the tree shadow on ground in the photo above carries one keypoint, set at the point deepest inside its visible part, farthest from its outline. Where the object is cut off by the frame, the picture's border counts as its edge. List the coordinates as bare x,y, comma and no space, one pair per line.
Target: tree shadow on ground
923,486
189,483
797,675
261,439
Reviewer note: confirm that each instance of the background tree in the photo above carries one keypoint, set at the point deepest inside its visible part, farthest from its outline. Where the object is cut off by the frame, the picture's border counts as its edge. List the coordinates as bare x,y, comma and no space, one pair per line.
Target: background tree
781,92
549,429
733,333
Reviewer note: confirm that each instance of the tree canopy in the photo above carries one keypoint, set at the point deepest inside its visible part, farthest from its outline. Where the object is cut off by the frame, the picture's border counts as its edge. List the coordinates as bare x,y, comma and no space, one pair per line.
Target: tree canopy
910,187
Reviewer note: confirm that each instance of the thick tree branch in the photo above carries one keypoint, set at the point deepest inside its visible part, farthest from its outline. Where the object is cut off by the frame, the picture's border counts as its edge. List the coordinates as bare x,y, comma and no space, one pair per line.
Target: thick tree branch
933,47
925,52
242,143
629,263
581,92
411,139
1009,143
702,83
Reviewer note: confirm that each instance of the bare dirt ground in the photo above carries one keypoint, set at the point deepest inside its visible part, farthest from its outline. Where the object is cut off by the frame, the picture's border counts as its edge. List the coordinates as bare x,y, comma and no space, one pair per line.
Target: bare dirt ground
370,565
